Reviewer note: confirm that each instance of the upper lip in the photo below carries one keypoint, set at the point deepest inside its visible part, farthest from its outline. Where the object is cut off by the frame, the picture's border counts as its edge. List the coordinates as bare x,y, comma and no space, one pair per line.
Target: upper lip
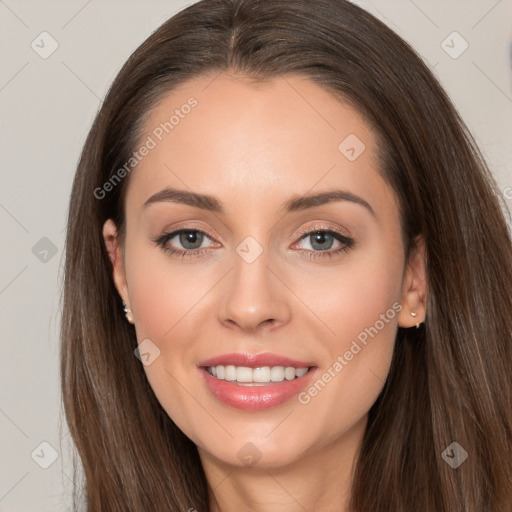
254,360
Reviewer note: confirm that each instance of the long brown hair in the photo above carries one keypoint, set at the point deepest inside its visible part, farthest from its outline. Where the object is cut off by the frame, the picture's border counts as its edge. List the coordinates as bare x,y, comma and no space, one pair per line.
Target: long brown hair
450,380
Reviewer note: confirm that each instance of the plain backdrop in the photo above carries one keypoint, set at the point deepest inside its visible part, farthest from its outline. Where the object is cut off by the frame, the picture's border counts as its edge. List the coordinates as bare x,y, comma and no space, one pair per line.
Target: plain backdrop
47,104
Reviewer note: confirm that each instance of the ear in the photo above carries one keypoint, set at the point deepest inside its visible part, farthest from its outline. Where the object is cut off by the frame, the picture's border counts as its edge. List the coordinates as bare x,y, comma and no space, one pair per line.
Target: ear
111,239
414,287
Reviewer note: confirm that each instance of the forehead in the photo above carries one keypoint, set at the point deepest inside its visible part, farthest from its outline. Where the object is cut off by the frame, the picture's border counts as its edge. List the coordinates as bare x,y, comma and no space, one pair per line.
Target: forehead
224,134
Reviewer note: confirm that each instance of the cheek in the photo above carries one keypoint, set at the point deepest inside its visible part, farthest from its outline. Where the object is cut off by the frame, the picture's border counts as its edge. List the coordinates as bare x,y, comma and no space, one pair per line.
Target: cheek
166,303
359,304
162,291
351,297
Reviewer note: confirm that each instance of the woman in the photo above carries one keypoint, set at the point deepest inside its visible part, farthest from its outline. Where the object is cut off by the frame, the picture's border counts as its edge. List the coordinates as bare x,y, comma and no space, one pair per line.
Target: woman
287,280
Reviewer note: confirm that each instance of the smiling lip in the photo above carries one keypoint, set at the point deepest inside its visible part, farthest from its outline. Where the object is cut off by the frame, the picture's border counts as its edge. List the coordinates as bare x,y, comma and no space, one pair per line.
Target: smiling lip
254,361
255,397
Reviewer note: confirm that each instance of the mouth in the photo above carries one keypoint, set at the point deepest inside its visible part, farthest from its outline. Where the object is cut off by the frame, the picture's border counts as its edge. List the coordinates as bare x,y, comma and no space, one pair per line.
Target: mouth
255,382
259,376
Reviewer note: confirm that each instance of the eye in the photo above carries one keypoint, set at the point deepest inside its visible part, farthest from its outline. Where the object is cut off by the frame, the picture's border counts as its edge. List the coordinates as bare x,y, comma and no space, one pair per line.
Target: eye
322,239
190,239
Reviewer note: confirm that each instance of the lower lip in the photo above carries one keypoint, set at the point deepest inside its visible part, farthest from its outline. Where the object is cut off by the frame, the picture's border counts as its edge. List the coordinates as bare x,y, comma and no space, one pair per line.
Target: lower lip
258,397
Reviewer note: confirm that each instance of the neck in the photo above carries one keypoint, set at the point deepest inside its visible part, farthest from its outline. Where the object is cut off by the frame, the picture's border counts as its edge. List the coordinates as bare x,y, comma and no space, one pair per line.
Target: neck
317,480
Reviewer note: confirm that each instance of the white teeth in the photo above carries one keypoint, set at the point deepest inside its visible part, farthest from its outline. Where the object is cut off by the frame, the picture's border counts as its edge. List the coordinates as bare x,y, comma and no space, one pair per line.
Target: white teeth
277,374
262,374
299,372
230,372
289,373
243,374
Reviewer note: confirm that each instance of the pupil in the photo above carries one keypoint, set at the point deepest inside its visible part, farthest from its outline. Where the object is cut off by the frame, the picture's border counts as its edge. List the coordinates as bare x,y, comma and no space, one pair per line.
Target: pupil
320,238
192,237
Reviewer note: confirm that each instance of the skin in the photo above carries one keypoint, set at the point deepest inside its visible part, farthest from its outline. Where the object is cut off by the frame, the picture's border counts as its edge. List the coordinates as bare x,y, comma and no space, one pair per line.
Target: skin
254,147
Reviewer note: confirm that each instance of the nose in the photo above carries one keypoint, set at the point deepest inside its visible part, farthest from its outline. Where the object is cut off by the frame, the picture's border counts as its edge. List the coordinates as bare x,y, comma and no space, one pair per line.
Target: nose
254,296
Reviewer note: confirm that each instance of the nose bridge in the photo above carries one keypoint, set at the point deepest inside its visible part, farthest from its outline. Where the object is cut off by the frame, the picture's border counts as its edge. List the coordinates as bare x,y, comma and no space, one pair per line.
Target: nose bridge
253,293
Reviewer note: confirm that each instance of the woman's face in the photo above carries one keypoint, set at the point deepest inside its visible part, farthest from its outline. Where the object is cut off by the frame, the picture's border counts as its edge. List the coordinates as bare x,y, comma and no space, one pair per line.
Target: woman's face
269,273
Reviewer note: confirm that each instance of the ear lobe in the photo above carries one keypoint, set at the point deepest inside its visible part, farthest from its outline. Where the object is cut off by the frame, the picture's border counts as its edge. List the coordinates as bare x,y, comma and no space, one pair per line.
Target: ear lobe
414,287
111,240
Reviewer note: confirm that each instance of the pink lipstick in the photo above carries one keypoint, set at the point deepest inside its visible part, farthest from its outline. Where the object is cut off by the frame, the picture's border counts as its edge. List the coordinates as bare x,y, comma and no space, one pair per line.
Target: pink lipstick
255,382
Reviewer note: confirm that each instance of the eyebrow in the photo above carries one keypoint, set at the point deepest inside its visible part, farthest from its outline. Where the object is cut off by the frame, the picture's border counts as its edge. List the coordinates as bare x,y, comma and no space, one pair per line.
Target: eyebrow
296,203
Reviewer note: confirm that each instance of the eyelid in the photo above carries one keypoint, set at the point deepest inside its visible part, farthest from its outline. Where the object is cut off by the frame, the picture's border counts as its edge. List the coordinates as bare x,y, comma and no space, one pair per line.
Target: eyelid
186,227
318,227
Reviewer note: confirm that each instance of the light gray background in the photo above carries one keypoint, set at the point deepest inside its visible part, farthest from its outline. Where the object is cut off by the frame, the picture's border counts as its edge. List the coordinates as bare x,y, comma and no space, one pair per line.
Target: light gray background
47,107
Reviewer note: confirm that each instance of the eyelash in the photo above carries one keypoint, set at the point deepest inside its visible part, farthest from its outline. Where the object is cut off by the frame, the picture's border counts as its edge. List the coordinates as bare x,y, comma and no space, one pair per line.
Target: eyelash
347,243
